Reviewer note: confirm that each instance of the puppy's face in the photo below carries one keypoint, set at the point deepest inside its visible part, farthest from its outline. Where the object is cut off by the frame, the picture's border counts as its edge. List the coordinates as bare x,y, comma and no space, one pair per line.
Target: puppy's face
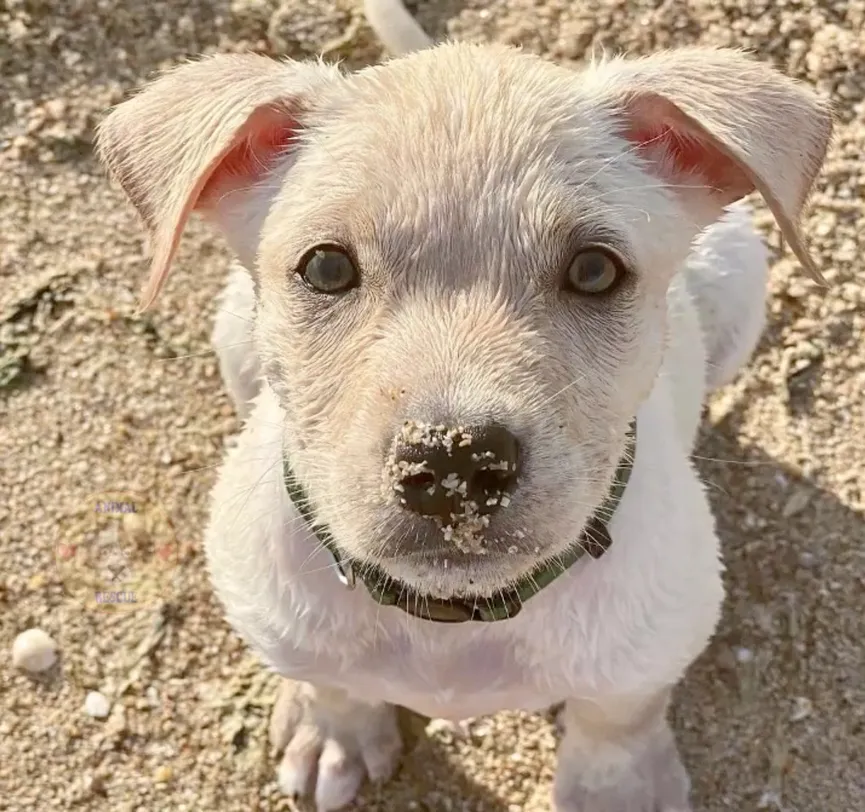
484,275
462,262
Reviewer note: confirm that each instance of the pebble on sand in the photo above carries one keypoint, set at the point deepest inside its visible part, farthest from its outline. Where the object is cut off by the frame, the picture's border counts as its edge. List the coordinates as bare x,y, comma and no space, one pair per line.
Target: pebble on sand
97,705
34,651
163,774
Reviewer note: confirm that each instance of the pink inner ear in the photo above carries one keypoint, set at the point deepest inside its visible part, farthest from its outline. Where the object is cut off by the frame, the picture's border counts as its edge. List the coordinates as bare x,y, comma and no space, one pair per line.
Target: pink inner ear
655,124
688,155
267,133
245,159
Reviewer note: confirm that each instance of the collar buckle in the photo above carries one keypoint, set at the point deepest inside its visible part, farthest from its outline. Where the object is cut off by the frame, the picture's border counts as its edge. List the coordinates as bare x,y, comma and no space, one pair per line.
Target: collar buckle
345,573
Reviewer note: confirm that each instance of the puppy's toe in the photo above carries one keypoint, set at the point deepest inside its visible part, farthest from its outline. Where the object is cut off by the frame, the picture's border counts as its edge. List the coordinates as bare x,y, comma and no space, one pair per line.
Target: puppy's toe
380,748
340,776
299,766
287,714
331,744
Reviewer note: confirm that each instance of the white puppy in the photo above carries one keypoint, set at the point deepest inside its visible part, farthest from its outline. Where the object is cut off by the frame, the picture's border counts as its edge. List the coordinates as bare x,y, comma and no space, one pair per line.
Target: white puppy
471,277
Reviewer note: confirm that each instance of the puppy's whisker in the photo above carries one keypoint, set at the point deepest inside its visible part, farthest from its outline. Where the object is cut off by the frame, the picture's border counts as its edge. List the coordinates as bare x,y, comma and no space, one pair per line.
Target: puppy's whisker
744,463
547,401
715,486
235,315
257,518
332,566
252,490
384,583
219,464
202,353
613,159
315,550
647,186
320,547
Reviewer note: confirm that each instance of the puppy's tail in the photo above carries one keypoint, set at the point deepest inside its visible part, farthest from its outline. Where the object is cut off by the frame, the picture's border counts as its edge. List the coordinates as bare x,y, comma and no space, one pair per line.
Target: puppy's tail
395,26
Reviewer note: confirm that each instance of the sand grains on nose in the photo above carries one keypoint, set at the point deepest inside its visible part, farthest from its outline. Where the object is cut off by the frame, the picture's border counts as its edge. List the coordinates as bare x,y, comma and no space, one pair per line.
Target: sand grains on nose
468,524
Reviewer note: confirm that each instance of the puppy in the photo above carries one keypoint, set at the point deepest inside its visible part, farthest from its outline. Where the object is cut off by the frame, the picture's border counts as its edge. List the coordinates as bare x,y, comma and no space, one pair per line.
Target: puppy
479,302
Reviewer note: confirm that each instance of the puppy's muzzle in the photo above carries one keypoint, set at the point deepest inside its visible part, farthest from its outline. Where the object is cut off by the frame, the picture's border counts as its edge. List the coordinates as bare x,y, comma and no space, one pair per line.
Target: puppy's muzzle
446,473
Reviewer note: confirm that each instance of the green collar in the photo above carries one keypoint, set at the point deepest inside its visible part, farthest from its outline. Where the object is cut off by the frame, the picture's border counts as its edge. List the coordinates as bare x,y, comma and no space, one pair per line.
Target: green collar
594,540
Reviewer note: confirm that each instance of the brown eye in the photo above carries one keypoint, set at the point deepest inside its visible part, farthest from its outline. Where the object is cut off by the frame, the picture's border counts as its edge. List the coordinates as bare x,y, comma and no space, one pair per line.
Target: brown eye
594,270
328,269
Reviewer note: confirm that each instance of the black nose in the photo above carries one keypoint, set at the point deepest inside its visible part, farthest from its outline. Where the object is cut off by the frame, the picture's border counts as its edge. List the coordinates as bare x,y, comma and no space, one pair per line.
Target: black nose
451,472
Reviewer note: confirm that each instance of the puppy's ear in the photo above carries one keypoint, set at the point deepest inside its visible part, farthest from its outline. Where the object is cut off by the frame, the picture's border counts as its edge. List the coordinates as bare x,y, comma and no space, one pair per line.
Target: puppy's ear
718,118
199,132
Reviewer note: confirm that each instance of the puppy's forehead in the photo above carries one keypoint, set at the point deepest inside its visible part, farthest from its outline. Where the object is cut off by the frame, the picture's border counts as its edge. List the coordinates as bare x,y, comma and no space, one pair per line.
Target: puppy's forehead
465,94
458,154
458,114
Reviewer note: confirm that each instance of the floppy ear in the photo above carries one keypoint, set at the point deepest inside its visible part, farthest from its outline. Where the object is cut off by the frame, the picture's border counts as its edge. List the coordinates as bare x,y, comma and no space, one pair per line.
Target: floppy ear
198,132
726,121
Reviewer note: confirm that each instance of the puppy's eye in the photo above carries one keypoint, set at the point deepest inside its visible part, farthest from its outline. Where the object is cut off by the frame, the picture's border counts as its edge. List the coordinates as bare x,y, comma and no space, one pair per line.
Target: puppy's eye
594,270
328,269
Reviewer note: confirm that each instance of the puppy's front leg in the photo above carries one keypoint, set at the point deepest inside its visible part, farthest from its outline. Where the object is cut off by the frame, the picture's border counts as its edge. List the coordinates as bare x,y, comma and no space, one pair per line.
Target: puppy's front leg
619,755
331,742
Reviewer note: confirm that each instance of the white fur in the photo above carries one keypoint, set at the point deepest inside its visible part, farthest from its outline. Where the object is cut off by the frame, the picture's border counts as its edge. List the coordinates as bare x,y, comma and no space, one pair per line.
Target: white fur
233,335
728,276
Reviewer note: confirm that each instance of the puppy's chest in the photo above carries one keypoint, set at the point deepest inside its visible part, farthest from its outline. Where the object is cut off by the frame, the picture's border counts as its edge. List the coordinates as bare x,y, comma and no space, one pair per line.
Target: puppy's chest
456,678
451,681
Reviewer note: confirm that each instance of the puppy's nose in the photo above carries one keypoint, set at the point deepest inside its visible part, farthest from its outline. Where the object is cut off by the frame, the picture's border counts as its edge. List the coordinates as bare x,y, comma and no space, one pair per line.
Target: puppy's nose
453,472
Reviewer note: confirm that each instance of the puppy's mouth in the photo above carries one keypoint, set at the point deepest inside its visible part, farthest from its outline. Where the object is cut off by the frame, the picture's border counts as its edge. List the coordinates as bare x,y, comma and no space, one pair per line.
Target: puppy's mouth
506,603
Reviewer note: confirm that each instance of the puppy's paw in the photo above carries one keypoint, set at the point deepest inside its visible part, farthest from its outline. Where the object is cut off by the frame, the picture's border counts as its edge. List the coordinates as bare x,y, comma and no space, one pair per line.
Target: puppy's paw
652,780
330,743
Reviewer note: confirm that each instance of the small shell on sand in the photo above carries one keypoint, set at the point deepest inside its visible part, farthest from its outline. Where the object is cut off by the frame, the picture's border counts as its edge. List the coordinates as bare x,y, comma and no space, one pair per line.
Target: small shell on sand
34,651
97,705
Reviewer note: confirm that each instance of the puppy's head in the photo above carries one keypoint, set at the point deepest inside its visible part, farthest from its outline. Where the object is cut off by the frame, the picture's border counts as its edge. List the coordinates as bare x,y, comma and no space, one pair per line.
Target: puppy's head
462,259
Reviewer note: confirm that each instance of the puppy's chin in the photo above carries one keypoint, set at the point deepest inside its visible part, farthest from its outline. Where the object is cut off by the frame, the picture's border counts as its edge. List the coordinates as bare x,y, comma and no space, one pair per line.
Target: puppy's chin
463,576
420,558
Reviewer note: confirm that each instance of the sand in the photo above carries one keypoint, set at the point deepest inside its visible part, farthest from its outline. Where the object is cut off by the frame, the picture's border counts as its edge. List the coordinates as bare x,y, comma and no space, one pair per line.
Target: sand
95,399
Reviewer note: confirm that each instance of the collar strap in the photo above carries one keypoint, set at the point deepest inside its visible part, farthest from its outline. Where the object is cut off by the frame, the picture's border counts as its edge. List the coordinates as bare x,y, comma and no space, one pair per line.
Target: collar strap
594,540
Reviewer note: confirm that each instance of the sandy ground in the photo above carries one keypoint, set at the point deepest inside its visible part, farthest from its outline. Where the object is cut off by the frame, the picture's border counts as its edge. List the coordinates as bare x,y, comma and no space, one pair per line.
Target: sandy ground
94,399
